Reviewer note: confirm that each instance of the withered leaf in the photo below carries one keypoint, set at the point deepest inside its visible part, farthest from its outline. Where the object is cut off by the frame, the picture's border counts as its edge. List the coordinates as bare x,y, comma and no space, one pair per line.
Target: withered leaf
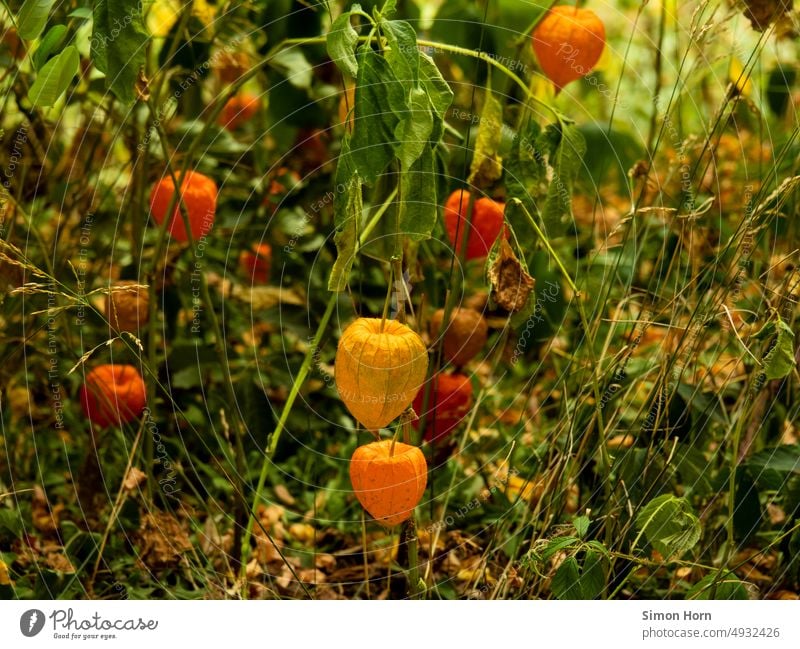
162,540
511,283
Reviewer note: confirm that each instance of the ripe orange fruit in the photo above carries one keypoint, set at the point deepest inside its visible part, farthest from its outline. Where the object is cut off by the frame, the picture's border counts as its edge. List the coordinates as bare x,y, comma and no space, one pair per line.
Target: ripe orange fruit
127,307
200,196
388,482
487,222
449,401
239,109
113,394
464,338
255,263
568,43
380,366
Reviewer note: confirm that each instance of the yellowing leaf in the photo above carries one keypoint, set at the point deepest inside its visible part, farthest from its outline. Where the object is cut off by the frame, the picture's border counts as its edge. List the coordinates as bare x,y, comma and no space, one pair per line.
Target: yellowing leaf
739,78
162,16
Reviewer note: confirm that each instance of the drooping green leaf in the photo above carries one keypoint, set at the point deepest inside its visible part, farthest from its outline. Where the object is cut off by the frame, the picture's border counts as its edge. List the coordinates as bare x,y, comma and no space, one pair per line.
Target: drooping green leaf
51,41
54,78
487,165
719,585
558,544
32,18
341,42
402,53
669,525
566,163
414,130
565,582
347,207
779,361
418,199
118,45
438,91
379,105
575,581
593,576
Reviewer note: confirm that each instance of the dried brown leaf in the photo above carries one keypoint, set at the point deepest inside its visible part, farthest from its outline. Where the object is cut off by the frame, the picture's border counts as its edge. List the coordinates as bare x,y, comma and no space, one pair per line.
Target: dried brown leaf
511,283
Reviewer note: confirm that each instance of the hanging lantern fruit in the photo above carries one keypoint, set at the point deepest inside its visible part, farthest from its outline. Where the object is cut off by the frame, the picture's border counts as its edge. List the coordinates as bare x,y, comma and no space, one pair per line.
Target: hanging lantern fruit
389,479
380,365
568,43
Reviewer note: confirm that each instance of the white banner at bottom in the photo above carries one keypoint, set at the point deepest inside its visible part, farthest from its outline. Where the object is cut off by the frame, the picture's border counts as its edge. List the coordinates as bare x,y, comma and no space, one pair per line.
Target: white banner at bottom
401,624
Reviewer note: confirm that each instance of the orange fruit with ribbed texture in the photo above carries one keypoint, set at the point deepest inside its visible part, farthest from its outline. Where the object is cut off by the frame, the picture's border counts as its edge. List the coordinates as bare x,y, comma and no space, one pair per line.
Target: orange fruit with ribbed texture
239,109
464,338
199,193
388,479
484,227
127,306
380,366
568,43
113,394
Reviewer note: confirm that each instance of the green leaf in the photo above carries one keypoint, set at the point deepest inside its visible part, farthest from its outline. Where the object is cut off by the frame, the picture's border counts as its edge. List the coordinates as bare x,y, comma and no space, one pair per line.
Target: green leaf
573,581
347,207
565,582
593,576
295,67
340,43
557,545
438,91
379,104
773,466
694,469
414,129
10,524
719,585
486,167
402,53
581,524
54,78
32,18
118,45
779,361
418,199
50,43
784,458
81,12
669,525
566,162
